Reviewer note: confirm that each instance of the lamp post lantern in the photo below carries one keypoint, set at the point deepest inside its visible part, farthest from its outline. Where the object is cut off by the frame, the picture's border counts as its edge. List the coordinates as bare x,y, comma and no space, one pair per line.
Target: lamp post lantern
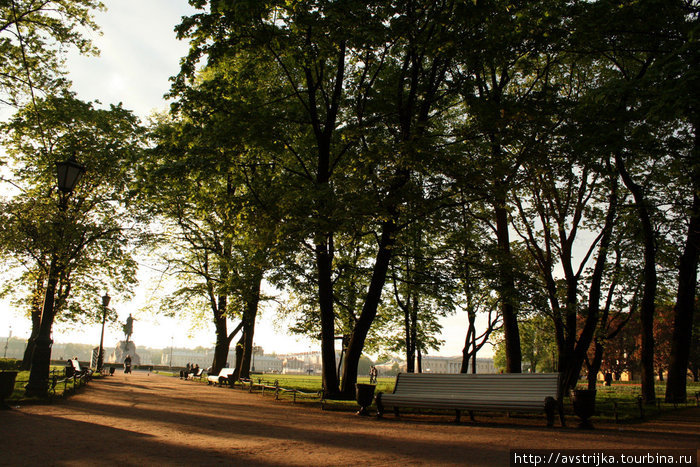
100,355
67,173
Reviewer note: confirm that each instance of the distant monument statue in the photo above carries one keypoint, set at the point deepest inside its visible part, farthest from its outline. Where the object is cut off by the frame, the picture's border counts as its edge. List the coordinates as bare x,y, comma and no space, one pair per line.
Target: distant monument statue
128,328
127,346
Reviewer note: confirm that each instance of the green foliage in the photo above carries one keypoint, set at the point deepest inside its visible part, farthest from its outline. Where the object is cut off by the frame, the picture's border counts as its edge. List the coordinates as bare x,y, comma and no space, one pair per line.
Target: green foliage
9,364
538,345
85,239
377,159
34,36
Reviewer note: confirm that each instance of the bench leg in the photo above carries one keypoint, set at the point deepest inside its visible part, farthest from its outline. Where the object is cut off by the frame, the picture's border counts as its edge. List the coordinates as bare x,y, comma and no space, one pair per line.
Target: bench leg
458,414
549,405
380,406
396,411
560,404
471,415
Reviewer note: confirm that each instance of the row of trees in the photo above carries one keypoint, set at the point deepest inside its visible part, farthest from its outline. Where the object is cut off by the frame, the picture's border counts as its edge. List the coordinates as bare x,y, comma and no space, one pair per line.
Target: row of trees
424,148
387,163
616,352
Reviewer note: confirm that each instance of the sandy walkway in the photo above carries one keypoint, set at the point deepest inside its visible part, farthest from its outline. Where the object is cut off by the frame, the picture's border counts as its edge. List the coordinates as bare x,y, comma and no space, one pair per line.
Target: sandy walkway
142,419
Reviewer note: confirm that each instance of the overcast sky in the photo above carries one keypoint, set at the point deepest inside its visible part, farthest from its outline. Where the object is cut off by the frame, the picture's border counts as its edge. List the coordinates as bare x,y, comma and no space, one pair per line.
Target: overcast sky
138,55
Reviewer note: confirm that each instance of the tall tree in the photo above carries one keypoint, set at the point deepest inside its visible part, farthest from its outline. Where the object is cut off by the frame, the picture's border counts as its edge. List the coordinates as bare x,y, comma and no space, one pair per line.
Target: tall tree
645,49
322,72
501,70
677,81
194,183
85,235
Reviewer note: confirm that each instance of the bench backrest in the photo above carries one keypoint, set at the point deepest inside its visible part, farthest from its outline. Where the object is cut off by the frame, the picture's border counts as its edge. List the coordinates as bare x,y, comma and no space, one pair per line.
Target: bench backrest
520,386
226,372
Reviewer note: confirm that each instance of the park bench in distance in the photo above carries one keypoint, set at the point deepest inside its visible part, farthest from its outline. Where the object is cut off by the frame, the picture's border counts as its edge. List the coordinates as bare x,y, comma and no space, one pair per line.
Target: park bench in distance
524,392
198,375
77,370
222,377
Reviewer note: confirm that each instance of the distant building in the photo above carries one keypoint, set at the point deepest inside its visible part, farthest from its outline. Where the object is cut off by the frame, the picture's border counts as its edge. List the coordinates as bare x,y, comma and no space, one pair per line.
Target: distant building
267,364
390,368
454,365
304,363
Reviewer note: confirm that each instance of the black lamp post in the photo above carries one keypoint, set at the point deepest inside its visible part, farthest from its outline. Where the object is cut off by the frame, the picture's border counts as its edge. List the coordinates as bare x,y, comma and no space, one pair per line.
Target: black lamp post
100,355
68,173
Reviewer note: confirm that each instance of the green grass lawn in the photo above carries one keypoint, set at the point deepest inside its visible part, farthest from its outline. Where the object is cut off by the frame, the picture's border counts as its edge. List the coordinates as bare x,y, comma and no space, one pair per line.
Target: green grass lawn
621,401
62,387
312,383
617,402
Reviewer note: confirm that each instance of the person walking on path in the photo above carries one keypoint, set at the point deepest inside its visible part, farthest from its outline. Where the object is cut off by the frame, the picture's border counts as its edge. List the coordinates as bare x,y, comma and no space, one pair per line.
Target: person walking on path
373,375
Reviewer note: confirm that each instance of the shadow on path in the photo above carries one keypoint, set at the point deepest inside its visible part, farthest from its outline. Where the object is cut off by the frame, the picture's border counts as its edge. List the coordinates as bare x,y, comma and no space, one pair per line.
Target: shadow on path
167,421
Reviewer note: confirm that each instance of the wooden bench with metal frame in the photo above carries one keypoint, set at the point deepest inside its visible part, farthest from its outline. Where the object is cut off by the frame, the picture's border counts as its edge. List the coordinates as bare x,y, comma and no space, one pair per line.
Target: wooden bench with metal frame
222,378
199,374
524,392
78,371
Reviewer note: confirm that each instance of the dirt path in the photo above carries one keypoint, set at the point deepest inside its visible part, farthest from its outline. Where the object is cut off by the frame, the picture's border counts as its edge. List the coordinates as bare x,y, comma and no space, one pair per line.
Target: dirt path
143,419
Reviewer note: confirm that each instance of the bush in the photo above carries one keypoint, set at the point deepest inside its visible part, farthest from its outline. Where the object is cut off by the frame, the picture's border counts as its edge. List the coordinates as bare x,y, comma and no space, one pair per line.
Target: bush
10,364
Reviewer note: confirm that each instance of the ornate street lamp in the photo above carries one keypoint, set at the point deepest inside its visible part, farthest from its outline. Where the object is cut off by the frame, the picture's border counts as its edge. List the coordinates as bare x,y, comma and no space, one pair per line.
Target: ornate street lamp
100,355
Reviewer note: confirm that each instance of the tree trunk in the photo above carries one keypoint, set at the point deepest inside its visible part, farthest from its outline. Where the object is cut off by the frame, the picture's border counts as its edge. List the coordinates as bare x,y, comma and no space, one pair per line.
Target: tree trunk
247,351
507,291
36,307
594,367
647,307
249,316
419,358
587,334
223,346
369,309
683,311
223,340
415,350
410,343
469,341
41,356
239,359
324,267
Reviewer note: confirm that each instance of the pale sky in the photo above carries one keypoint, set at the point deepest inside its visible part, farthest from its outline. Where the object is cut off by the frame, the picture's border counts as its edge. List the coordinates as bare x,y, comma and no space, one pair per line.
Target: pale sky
139,53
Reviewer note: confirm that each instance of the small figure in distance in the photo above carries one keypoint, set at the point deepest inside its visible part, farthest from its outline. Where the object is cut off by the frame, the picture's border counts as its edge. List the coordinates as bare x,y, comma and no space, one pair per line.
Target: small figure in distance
373,373
184,373
127,364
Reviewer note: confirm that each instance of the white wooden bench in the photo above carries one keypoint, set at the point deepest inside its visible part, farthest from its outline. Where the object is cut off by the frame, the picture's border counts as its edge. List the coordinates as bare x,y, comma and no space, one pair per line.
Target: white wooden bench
524,392
222,377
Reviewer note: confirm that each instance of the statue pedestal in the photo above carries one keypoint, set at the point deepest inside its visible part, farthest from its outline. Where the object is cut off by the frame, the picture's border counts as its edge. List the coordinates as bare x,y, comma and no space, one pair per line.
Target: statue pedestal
123,349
